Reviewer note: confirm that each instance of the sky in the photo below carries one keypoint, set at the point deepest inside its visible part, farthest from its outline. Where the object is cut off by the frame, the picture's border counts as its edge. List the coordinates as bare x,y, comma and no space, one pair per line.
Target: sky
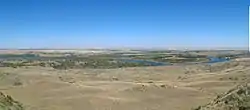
123,23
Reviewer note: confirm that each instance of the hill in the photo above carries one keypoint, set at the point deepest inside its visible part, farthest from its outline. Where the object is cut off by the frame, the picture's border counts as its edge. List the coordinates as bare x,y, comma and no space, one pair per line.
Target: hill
7,103
237,98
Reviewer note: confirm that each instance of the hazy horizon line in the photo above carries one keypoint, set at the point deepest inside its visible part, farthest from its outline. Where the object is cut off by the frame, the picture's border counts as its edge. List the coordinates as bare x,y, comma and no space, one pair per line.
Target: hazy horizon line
134,48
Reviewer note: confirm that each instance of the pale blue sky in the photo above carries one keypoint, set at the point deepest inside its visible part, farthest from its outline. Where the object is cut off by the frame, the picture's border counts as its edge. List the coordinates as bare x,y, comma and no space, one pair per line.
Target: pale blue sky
123,23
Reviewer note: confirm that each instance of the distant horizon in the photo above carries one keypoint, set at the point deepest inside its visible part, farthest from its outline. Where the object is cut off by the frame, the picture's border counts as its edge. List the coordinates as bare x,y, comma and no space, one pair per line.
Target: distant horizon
132,48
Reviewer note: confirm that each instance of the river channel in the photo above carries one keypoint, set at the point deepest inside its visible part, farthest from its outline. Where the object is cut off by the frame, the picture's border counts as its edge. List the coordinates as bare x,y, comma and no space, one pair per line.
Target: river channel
212,60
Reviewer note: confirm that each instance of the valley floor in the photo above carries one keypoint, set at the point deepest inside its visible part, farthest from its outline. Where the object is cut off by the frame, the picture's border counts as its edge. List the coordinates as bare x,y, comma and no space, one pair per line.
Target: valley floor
141,88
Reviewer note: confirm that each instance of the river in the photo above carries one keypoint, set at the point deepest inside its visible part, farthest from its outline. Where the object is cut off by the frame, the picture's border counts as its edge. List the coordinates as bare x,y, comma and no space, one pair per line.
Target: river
212,60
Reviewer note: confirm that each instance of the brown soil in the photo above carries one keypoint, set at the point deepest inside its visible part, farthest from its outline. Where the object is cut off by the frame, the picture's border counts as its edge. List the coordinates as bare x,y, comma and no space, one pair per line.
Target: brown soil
144,88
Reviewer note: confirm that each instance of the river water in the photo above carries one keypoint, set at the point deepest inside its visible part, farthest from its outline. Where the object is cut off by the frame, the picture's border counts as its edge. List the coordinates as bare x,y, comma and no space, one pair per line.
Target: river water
217,60
212,60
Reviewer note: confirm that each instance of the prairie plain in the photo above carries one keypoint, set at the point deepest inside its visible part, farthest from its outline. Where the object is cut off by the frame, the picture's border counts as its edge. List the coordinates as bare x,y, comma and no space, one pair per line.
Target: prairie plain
171,87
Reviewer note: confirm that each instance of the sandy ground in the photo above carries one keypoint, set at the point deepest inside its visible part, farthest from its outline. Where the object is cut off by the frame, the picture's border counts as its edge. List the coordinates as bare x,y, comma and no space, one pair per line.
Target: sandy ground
144,88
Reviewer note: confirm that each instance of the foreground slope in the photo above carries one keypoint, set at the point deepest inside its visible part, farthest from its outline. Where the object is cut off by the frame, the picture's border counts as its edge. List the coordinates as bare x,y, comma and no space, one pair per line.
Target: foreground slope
237,98
7,103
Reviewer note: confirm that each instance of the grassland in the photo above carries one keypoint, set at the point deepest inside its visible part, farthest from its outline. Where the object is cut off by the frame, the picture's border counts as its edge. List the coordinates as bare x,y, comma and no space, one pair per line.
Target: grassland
172,87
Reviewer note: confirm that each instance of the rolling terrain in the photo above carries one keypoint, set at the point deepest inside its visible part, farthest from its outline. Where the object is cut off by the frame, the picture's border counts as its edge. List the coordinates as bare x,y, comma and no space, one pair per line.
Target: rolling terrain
174,87
141,88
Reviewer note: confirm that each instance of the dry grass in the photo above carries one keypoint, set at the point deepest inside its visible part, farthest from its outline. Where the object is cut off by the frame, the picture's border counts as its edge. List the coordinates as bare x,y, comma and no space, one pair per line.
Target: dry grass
143,88
237,98
7,103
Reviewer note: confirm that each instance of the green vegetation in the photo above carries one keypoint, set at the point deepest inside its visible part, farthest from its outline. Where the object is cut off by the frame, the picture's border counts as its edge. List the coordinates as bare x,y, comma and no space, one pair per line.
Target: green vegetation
94,63
114,60
228,56
172,58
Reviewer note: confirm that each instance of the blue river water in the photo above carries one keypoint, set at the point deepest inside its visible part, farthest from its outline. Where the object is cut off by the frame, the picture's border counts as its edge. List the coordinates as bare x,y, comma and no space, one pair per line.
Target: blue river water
212,60
217,60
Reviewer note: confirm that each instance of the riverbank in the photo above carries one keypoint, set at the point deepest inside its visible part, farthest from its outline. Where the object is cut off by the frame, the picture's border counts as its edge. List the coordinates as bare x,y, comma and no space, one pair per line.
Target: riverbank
211,60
